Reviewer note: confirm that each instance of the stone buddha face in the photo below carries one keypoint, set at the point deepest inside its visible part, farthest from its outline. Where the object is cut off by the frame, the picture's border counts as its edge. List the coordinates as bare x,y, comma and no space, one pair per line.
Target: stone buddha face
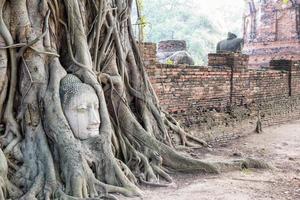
81,107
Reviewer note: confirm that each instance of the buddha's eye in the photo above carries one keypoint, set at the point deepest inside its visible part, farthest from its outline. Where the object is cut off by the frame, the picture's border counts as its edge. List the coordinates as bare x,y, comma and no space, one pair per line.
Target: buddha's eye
81,108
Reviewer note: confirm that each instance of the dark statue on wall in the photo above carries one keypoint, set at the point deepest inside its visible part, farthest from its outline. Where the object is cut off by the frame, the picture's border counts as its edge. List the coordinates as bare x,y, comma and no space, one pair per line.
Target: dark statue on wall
231,44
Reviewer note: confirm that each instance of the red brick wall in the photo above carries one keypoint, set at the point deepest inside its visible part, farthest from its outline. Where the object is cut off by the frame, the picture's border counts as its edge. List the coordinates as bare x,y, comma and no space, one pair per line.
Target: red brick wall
219,103
181,89
256,86
295,80
148,51
188,89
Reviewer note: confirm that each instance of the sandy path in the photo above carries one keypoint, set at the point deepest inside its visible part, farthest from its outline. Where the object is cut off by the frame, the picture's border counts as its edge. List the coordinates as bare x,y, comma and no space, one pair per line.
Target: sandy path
278,145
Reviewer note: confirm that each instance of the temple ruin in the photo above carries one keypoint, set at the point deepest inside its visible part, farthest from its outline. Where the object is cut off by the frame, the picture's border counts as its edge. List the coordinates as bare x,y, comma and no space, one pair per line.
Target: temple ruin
271,31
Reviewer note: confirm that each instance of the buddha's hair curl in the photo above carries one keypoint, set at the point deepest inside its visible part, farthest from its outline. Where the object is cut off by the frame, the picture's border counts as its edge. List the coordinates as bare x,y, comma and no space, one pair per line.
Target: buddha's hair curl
71,86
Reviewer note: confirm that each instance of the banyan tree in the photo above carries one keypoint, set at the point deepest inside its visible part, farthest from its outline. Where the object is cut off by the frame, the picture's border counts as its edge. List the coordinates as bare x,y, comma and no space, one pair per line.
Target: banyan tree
81,120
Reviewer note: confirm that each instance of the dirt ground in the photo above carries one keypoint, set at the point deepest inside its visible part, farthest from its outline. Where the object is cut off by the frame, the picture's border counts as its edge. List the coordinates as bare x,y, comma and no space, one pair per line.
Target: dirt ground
278,145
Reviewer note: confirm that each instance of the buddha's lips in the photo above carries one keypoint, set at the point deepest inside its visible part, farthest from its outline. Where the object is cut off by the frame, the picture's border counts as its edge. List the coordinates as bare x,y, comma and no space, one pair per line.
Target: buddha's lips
93,128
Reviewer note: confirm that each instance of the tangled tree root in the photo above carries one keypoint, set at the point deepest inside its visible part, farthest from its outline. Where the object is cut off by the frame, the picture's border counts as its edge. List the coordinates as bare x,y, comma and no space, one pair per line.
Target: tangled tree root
7,189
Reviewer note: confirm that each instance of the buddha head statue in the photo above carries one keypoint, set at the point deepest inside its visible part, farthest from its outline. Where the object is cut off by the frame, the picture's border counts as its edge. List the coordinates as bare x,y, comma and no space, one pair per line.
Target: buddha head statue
81,107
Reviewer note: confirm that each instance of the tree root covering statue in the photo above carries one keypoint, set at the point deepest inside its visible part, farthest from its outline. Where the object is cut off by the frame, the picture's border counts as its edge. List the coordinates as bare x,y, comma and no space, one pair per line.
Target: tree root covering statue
81,118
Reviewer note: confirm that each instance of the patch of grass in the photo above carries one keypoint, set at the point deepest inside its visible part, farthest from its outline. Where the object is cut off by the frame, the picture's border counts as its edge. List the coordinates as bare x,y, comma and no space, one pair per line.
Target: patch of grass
246,171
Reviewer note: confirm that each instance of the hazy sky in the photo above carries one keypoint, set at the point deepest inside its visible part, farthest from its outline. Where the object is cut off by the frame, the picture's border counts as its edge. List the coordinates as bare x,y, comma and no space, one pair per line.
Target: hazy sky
214,3
217,9
224,8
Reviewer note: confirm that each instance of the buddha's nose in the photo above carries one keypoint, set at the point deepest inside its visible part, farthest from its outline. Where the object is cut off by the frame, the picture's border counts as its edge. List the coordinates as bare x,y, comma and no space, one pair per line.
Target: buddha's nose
94,117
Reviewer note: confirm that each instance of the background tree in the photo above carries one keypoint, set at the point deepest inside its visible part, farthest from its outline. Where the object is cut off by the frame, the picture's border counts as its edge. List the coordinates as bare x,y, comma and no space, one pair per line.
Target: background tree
44,156
201,23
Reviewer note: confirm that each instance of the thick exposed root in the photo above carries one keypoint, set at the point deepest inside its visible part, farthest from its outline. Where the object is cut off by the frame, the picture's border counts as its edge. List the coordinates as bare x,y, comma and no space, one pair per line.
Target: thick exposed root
12,127
174,126
3,94
11,124
247,163
60,195
7,189
161,172
153,184
178,162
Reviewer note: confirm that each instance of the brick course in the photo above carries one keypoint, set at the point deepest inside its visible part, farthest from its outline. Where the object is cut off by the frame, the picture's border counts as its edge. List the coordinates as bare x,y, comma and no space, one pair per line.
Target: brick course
236,61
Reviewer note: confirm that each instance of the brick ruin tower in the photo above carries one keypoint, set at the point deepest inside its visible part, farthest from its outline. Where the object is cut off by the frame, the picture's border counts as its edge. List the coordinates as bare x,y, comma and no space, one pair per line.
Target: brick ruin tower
271,31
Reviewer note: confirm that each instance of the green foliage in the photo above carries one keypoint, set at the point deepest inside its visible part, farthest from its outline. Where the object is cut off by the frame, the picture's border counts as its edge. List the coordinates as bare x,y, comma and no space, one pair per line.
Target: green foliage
141,19
170,62
143,22
140,4
201,23
285,1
